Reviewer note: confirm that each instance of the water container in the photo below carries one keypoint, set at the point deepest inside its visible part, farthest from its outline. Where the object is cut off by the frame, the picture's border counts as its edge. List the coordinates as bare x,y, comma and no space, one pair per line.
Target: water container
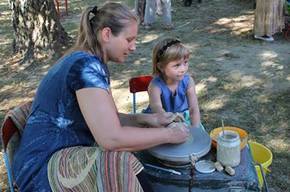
228,148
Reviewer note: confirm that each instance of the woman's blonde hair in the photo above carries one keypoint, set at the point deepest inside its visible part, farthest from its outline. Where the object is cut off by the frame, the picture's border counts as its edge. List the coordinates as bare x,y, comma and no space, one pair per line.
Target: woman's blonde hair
116,16
165,51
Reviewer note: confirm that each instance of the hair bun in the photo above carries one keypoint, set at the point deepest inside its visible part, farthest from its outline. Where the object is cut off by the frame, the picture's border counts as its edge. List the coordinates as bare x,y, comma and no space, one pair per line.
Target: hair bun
94,10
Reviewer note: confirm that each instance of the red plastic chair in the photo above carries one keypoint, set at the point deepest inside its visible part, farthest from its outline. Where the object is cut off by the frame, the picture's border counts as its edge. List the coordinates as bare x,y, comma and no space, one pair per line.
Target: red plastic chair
138,84
10,137
7,131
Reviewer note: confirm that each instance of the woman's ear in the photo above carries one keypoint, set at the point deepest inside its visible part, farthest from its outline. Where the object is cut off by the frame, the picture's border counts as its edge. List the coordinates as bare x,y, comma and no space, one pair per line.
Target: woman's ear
106,34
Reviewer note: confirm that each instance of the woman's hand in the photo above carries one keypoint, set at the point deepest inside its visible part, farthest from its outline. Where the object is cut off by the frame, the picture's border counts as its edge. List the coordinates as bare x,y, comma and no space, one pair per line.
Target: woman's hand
161,119
179,132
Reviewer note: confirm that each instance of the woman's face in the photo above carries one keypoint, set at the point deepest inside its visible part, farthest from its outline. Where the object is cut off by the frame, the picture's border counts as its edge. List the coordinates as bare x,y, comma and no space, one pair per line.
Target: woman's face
119,47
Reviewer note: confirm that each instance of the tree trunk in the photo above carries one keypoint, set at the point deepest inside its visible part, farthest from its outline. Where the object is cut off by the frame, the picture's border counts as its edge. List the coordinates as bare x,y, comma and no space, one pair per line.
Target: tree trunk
37,27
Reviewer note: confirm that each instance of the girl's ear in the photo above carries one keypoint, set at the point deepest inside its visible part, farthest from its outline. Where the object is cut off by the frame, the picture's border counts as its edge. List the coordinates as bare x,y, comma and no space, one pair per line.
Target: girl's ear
159,67
106,34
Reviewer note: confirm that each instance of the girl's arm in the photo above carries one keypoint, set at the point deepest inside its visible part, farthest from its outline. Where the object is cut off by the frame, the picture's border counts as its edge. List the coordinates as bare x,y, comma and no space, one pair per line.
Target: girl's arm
101,116
155,103
193,103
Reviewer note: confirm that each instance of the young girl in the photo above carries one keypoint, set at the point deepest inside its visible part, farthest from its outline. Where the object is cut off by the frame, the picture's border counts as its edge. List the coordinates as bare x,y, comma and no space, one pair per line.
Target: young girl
172,89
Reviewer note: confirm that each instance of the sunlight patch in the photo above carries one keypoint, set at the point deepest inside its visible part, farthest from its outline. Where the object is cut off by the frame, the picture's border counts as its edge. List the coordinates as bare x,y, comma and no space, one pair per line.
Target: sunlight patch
4,41
268,55
236,75
269,64
238,25
241,81
140,60
200,86
192,46
212,79
263,98
216,103
279,144
248,81
149,38
123,98
7,104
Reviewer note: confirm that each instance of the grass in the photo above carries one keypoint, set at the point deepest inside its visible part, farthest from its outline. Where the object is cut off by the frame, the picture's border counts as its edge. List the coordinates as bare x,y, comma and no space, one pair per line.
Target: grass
240,80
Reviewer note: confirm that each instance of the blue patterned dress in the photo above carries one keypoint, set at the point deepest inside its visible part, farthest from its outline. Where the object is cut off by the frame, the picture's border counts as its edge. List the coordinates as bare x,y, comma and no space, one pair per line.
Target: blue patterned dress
56,121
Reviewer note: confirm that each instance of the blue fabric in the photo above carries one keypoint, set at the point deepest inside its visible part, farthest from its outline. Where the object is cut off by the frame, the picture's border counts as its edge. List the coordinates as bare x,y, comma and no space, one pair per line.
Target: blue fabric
172,102
56,121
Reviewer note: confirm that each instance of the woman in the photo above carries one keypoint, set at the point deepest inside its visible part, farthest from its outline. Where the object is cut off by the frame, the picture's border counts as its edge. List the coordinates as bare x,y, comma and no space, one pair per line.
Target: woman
75,139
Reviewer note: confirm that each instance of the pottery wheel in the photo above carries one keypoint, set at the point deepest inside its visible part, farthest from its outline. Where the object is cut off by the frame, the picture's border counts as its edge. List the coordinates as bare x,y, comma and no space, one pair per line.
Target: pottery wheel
198,144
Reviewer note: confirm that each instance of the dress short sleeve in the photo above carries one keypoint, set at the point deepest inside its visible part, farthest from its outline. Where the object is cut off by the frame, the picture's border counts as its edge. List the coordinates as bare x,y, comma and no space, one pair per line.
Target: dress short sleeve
88,72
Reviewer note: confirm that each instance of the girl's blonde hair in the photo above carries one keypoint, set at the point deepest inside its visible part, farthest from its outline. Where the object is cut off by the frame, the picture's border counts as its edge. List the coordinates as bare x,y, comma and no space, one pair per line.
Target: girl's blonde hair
165,51
116,16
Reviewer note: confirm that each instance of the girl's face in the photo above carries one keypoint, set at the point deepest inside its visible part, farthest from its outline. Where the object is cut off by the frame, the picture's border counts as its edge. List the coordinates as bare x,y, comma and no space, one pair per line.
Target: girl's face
119,47
175,70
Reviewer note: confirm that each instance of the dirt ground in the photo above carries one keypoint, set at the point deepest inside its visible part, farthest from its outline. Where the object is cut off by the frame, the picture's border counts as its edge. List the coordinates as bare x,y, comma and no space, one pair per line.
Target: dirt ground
243,81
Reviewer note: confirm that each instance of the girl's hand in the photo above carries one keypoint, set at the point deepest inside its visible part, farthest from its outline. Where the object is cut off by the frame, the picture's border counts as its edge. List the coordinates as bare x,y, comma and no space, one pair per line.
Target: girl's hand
179,117
178,124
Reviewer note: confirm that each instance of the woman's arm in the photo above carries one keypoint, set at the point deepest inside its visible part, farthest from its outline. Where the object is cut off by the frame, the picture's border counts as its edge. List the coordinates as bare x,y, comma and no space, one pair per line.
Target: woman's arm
101,116
146,119
155,103
193,103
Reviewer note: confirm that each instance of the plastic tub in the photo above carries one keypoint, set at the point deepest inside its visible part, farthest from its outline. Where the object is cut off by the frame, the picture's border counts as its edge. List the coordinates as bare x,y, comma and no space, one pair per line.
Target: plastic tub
242,133
261,155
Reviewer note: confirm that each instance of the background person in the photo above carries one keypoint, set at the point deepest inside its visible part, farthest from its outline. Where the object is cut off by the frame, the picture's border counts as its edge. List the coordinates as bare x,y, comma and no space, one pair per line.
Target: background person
268,19
151,10
74,138
140,9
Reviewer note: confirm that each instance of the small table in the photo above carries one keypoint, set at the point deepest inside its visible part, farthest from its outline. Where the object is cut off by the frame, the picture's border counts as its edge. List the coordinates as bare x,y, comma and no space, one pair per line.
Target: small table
245,178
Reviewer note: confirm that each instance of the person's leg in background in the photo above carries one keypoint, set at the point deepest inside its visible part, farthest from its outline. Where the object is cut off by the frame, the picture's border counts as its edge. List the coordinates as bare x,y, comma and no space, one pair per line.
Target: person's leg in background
150,12
166,16
268,19
140,9
159,7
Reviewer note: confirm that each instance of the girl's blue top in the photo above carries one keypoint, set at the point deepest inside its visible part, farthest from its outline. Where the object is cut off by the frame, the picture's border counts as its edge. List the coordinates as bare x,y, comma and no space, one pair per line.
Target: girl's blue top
56,121
173,102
